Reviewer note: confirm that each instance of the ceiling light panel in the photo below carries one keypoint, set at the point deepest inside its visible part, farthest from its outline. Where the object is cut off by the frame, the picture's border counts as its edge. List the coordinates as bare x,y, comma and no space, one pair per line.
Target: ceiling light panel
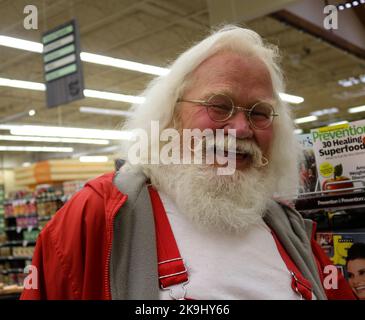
305,119
36,149
67,132
53,139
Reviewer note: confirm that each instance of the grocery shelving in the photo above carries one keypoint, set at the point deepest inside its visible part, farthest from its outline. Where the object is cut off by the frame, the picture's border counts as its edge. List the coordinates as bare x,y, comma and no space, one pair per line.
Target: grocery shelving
25,214
2,220
345,198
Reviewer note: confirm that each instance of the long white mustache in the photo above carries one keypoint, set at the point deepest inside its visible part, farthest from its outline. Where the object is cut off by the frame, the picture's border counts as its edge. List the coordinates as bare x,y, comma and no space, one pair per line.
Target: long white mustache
229,146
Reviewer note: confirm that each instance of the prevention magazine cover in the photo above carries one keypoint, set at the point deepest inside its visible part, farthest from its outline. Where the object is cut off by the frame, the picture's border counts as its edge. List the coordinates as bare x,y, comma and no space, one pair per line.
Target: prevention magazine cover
340,155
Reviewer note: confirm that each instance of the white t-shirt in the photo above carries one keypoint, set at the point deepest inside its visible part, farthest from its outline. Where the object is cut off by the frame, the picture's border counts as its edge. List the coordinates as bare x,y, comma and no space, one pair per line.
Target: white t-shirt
225,266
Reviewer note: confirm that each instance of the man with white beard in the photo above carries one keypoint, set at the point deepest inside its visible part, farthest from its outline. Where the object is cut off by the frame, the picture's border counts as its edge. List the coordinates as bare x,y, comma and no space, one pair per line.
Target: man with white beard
181,231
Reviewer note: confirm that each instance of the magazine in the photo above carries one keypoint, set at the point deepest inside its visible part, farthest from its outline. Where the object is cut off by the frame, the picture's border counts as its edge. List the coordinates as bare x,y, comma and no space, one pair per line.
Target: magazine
340,153
307,164
337,244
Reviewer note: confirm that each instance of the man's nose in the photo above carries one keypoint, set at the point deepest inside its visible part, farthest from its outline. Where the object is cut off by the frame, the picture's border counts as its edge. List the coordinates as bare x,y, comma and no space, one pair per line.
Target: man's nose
239,121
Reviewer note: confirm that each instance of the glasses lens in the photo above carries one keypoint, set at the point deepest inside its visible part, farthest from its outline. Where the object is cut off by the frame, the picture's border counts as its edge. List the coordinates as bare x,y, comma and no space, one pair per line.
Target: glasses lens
219,107
262,115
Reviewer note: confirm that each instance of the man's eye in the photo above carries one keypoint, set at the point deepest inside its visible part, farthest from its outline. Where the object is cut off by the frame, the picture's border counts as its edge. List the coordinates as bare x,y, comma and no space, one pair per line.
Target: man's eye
262,111
260,114
220,106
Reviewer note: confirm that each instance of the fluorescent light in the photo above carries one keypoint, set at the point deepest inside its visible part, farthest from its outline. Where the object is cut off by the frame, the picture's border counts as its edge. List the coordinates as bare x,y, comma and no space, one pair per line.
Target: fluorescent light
67,132
88,93
26,164
53,139
15,116
352,81
348,5
107,112
306,119
322,112
36,149
112,96
345,83
22,84
93,159
31,113
21,44
87,57
123,64
338,123
298,131
290,98
356,109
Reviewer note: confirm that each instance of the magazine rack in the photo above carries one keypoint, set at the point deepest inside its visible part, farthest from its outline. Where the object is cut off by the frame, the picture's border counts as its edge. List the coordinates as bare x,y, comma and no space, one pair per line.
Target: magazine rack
335,199
338,209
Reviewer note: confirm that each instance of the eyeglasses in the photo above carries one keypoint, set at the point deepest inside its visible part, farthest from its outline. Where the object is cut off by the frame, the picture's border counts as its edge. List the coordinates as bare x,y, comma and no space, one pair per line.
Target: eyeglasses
220,108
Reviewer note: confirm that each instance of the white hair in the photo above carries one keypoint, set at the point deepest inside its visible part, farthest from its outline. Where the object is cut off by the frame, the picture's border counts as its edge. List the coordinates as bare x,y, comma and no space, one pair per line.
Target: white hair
163,92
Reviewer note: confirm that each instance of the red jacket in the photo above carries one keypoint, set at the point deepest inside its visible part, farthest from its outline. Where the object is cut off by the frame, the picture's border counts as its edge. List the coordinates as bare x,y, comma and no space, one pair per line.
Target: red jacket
72,254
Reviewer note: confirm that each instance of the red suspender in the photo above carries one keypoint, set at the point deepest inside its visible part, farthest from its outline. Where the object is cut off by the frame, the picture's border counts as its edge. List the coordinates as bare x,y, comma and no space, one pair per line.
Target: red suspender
171,268
299,284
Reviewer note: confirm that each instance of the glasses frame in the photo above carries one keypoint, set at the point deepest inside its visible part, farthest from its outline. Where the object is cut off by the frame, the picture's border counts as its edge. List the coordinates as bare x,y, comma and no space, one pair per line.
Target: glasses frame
234,109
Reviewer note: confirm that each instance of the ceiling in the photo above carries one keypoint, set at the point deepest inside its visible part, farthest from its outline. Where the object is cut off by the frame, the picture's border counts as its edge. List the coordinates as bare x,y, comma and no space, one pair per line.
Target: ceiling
154,32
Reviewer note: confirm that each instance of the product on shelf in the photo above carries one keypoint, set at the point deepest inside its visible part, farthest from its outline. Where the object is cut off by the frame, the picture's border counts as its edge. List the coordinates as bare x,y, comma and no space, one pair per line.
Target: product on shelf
71,187
47,200
30,235
2,215
19,204
23,251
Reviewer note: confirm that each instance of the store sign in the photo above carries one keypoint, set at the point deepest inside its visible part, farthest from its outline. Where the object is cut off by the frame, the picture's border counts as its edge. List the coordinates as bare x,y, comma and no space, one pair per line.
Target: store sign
62,65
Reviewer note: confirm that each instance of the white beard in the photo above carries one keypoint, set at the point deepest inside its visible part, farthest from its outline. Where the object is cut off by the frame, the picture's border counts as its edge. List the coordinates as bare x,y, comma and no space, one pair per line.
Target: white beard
220,202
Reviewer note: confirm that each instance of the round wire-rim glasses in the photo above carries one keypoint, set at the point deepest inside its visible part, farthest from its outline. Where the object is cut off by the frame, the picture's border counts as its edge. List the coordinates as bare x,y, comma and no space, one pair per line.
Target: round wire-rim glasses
220,108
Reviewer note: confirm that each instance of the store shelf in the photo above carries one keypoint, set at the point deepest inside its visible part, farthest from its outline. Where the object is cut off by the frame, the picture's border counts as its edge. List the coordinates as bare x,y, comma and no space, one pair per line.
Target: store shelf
21,216
340,199
14,258
12,270
10,295
44,218
17,243
40,218
20,229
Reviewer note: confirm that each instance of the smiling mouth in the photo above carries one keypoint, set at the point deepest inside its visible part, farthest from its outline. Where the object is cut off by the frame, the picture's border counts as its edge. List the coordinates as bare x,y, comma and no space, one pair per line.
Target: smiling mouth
239,155
360,288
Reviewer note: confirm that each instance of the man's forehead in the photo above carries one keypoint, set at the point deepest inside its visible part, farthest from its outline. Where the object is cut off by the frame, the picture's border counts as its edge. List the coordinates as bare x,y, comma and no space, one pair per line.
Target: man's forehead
228,72
231,66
